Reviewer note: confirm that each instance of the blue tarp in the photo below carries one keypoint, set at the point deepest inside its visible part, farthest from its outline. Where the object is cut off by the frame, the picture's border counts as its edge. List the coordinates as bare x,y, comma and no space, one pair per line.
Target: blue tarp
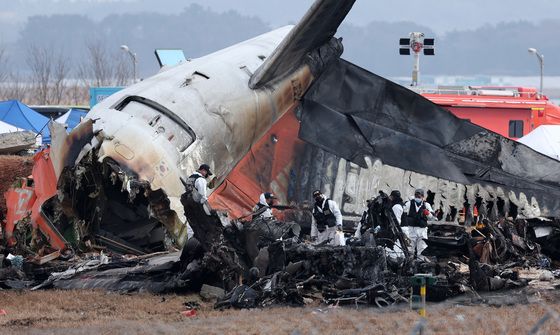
72,118
21,116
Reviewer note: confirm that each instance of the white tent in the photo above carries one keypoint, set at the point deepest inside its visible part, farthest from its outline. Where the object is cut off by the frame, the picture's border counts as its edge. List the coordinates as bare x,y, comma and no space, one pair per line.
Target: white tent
63,118
8,128
72,118
544,139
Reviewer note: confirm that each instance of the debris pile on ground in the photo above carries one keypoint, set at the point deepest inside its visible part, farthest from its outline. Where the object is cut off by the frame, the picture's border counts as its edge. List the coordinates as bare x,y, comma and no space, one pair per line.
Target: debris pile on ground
268,262
17,142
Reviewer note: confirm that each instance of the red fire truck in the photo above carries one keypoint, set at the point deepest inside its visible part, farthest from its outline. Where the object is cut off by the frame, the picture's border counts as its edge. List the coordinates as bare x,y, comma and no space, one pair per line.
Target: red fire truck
509,111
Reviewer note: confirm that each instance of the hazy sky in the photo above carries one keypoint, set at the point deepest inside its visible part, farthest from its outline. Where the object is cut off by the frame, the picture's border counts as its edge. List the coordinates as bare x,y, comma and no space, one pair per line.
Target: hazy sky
499,46
439,15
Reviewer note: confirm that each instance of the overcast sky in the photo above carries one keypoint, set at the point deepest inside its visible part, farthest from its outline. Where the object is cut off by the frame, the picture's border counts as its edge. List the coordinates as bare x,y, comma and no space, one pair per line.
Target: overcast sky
440,15
474,36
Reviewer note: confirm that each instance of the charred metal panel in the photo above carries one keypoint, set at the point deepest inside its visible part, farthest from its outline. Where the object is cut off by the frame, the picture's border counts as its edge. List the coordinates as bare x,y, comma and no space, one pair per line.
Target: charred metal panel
314,31
356,114
66,148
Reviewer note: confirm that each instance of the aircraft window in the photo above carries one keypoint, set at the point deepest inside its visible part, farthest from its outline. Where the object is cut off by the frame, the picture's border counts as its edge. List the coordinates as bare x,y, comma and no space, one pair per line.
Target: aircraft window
516,128
161,119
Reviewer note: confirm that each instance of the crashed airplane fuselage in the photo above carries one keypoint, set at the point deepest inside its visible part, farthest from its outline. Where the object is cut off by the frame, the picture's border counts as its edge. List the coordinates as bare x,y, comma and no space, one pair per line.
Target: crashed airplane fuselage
120,171
161,129
211,109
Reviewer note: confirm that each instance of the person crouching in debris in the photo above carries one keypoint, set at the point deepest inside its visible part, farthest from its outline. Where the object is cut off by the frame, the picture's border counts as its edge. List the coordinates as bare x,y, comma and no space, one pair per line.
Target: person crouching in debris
263,209
327,220
416,213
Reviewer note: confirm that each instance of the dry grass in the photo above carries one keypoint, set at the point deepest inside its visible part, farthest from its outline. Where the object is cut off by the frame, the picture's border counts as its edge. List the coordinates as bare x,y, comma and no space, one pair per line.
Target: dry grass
88,312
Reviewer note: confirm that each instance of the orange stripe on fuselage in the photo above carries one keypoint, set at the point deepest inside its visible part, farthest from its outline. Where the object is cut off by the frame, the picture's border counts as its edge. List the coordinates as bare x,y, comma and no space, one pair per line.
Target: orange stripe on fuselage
265,168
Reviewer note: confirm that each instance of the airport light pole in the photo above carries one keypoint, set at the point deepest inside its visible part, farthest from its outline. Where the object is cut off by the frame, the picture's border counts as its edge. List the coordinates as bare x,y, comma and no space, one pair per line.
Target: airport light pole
133,57
417,43
541,62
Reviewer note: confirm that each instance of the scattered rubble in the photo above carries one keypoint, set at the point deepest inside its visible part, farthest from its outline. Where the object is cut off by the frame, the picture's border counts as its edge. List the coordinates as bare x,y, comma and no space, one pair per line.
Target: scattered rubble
16,142
264,263
103,207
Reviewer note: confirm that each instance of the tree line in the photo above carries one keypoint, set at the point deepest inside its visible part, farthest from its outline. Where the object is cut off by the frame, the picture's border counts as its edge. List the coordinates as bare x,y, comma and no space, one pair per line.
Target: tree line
52,78
58,57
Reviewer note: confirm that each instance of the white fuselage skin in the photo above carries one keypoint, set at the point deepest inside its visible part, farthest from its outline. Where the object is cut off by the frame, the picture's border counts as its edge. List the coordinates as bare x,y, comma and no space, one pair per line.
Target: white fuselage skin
226,116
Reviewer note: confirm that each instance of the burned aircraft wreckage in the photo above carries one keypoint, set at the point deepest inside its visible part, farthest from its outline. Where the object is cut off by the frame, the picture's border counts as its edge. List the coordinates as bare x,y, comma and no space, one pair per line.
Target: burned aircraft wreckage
118,176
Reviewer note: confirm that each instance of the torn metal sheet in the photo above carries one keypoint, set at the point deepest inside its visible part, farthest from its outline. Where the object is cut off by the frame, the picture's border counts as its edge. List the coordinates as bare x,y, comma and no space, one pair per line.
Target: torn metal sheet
178,132
543,231
26,203
65,147
153,275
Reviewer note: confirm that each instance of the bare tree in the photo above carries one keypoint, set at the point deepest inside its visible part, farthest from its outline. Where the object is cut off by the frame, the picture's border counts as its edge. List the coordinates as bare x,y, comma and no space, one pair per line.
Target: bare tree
40,62
97,68
61,68
122,72
4,73
77,93
16,88
103,68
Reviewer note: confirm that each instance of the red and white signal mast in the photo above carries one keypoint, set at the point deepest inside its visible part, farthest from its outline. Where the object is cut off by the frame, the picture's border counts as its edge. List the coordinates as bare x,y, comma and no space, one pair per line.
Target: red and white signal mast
417,43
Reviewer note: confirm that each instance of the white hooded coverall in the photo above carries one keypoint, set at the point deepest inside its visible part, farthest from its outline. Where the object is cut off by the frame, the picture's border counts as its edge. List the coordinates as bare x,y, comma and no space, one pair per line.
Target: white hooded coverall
330,232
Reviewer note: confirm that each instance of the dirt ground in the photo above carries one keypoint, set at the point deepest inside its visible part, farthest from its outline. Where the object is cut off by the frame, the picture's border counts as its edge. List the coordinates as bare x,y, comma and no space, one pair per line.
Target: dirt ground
90,312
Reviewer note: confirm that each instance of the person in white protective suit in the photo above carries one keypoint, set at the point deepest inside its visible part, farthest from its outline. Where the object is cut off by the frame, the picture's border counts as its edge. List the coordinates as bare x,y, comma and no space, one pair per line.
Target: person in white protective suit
414,223
327,221
263,209
397,208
